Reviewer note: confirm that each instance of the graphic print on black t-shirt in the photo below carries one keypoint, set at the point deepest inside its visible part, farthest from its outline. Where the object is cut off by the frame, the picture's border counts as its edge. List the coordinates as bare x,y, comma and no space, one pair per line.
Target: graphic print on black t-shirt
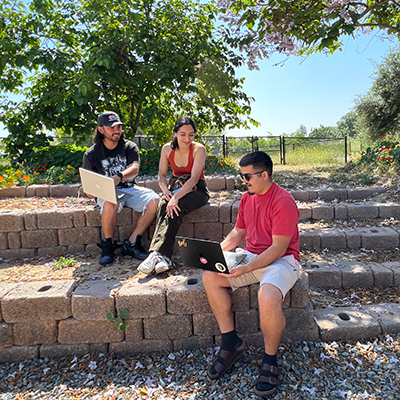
112,165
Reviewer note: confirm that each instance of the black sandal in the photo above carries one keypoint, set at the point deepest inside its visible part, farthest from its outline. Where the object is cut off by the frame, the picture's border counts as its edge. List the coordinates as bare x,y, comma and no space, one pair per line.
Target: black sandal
272,380
225,360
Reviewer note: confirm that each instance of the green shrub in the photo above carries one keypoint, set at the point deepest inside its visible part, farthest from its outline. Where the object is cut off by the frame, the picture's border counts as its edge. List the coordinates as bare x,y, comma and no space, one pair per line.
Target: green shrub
149,160
220,165
386,153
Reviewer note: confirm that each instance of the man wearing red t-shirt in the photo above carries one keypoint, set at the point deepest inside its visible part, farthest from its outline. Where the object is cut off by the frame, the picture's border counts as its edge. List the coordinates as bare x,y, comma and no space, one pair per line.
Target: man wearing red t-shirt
268,217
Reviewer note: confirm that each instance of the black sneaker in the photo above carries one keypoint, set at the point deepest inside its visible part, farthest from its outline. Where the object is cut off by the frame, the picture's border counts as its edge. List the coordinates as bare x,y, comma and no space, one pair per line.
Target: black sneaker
135,250
107,252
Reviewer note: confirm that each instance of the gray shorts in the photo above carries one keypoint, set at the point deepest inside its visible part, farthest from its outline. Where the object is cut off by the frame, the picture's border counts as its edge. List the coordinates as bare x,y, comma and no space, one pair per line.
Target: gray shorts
282,273
141,196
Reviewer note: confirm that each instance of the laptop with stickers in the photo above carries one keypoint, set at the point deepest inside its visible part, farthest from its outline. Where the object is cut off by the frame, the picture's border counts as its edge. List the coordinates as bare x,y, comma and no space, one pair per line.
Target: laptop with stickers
101,186
207,254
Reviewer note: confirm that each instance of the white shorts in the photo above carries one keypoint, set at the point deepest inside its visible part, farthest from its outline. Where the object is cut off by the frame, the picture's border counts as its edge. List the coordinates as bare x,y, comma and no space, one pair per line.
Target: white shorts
282,273
141,196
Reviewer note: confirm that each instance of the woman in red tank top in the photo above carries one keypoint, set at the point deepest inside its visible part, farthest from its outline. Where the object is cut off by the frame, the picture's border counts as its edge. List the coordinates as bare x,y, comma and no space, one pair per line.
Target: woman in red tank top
186,157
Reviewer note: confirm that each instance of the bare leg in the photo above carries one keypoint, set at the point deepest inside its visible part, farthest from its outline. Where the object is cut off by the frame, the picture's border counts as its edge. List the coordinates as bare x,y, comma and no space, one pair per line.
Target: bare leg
272,318
109,219
145,220
217,290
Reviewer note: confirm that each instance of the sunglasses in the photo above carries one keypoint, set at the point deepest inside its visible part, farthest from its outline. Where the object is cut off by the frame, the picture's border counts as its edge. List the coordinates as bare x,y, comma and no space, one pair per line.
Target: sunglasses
248,175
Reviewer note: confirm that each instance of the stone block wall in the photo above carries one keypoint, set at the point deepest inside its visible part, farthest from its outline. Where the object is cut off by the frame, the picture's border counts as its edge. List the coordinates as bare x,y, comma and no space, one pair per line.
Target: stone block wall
60,318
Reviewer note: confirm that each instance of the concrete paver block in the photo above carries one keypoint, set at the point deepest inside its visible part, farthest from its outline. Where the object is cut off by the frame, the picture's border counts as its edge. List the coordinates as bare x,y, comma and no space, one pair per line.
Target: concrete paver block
362,211
4,289
85,235
31,333
6,335
225,211
143,298
13,254
134,330
39,238
193,342
379,238
63,350
209,231
353,238
230,182
328,195
11,221
299,292
333,239
30,220
207,213
310,239
389,210
205,325
144,346
37,301
363,193
246,321
4,240
300,324
16,191
72,331
382,276
322,212
343,323
394,266
16,354
305,213
186,295
13,239
388,316
241,299
54,251
323,275
168,326
300,195
93,300
356,275
93,217
340,212
216,183
68,190
55,219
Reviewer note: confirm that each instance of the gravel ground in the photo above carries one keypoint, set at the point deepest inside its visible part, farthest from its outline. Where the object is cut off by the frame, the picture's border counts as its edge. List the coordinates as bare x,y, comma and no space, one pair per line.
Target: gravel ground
311,370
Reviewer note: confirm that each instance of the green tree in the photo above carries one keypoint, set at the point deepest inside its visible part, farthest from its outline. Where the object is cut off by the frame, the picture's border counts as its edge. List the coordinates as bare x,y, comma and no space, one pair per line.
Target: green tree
303,27
301,132
324,131
348,125
379,109
147,60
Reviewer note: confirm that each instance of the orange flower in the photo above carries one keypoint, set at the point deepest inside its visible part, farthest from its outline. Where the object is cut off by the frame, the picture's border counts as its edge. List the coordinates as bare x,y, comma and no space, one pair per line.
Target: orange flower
18,173
221,163
67,172
26,177
2,178
9,184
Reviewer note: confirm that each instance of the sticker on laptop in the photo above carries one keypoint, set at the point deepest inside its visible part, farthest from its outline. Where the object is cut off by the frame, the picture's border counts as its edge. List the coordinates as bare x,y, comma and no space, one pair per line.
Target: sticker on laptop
220,267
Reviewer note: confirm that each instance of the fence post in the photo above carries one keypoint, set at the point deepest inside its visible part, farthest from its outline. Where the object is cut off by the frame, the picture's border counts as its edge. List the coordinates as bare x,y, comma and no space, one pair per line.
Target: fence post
345,149
283,150
223,146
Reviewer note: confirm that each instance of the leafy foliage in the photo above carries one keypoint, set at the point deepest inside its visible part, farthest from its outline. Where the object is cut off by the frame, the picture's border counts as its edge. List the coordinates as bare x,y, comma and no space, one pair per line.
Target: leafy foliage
379,109
120,321
386,154
147,60
149,160
303,27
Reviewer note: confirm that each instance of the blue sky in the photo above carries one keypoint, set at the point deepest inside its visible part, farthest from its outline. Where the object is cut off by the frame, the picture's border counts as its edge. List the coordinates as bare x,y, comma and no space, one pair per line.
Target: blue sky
317,91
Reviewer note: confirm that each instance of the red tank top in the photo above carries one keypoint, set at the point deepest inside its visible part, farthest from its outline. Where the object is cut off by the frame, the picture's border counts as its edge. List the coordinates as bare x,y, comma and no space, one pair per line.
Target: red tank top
177,171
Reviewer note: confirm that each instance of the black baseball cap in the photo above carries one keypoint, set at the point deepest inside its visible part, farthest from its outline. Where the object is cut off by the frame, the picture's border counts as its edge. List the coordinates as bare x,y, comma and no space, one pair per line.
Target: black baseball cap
109,118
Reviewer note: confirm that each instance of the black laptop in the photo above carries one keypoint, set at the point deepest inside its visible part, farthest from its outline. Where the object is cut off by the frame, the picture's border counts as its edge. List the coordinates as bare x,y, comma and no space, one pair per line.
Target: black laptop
207,254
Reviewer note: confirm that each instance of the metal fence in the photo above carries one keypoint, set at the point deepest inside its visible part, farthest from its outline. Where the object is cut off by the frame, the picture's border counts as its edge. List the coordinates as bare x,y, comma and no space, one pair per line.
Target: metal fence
280,148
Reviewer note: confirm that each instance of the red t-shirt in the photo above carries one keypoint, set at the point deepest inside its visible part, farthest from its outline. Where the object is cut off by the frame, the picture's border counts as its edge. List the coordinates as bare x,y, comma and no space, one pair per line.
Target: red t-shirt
264,215
177,171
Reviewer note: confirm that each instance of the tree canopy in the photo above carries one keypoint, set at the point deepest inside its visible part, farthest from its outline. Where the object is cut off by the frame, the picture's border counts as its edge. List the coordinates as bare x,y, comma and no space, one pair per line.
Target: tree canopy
148,60
379,109
303,27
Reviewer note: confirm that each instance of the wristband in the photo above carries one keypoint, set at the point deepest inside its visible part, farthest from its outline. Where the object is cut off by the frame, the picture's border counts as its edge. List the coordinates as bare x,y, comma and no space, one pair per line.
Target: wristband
120,175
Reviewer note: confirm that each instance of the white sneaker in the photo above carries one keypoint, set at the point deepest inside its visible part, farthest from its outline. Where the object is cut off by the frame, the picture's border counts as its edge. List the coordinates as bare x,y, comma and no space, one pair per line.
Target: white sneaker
163,265
147,266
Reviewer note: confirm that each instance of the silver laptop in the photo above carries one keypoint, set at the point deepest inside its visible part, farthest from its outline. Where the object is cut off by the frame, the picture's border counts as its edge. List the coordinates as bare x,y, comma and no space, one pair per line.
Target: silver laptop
101,186
208,255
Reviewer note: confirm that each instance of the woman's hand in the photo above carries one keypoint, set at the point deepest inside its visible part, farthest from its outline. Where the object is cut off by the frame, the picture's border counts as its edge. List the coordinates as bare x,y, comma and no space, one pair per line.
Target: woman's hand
172,207
167,195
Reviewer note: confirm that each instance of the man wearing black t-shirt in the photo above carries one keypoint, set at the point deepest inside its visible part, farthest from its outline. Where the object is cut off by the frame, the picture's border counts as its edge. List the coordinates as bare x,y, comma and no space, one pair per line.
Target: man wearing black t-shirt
118,158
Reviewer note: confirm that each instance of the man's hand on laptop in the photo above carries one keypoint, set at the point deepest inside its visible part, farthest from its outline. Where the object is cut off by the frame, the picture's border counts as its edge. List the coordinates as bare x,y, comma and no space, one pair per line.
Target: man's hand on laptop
236,272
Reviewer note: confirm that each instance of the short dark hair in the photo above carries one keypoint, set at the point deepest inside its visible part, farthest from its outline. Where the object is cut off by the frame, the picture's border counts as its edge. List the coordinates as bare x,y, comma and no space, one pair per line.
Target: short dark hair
258,159
181,121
